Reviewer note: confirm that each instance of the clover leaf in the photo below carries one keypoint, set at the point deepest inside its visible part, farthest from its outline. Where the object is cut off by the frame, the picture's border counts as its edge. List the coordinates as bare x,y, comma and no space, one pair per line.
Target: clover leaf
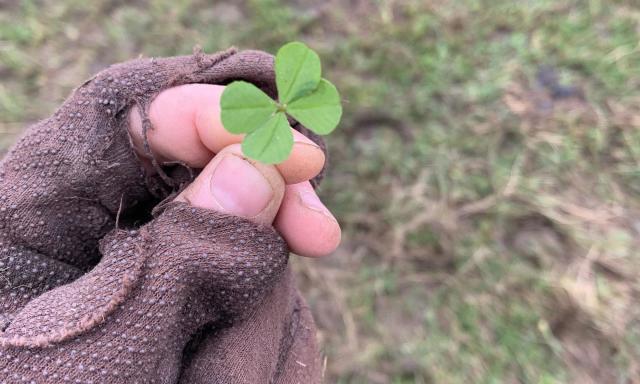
298,71
319,111
302,94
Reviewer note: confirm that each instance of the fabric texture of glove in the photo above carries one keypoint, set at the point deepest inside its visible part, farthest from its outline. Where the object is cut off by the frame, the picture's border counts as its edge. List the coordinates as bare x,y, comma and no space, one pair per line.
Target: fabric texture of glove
94,289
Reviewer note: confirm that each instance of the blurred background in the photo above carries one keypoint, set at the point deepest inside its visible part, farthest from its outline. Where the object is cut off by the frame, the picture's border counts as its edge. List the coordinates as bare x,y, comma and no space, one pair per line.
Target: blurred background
486,172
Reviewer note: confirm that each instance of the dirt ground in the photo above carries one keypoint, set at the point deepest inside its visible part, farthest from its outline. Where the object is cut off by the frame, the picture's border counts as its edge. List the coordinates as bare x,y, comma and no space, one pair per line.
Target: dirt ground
486,174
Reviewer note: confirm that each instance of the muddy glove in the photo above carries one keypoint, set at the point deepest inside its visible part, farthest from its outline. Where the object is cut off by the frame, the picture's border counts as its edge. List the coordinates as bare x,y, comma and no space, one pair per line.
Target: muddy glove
93,289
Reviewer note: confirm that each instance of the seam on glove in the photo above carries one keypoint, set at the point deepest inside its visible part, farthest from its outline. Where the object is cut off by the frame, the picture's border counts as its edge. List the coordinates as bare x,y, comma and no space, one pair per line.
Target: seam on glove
286,341
90,321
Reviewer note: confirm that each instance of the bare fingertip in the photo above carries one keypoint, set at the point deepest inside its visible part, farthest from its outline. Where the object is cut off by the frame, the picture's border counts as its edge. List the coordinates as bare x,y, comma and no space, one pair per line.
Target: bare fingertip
306,224
304,163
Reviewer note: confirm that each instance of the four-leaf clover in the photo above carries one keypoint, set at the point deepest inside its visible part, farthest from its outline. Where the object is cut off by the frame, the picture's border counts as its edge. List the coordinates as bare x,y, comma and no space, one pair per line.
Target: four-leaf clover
302,94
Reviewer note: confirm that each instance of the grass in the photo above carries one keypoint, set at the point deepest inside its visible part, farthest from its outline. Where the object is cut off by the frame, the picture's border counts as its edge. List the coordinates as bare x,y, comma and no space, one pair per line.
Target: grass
491,227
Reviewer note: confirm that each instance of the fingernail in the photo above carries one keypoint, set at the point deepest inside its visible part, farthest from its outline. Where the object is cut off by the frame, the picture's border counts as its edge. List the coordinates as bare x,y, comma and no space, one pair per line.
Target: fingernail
239,188
299,138
309,143
311,201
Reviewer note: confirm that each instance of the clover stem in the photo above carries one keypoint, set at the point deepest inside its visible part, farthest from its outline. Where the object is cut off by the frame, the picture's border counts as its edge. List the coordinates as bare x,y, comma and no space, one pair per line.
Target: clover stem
281,107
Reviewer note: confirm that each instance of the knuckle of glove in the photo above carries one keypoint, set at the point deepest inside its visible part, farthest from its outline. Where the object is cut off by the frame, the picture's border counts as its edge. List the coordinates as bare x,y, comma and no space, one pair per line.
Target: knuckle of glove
225,260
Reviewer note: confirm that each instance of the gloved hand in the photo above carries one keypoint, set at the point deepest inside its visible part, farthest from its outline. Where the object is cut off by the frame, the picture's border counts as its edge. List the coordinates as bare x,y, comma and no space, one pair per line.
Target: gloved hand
94,289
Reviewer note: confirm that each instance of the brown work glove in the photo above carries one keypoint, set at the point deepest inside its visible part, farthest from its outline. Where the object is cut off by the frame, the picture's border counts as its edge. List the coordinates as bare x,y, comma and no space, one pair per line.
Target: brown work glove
187,295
